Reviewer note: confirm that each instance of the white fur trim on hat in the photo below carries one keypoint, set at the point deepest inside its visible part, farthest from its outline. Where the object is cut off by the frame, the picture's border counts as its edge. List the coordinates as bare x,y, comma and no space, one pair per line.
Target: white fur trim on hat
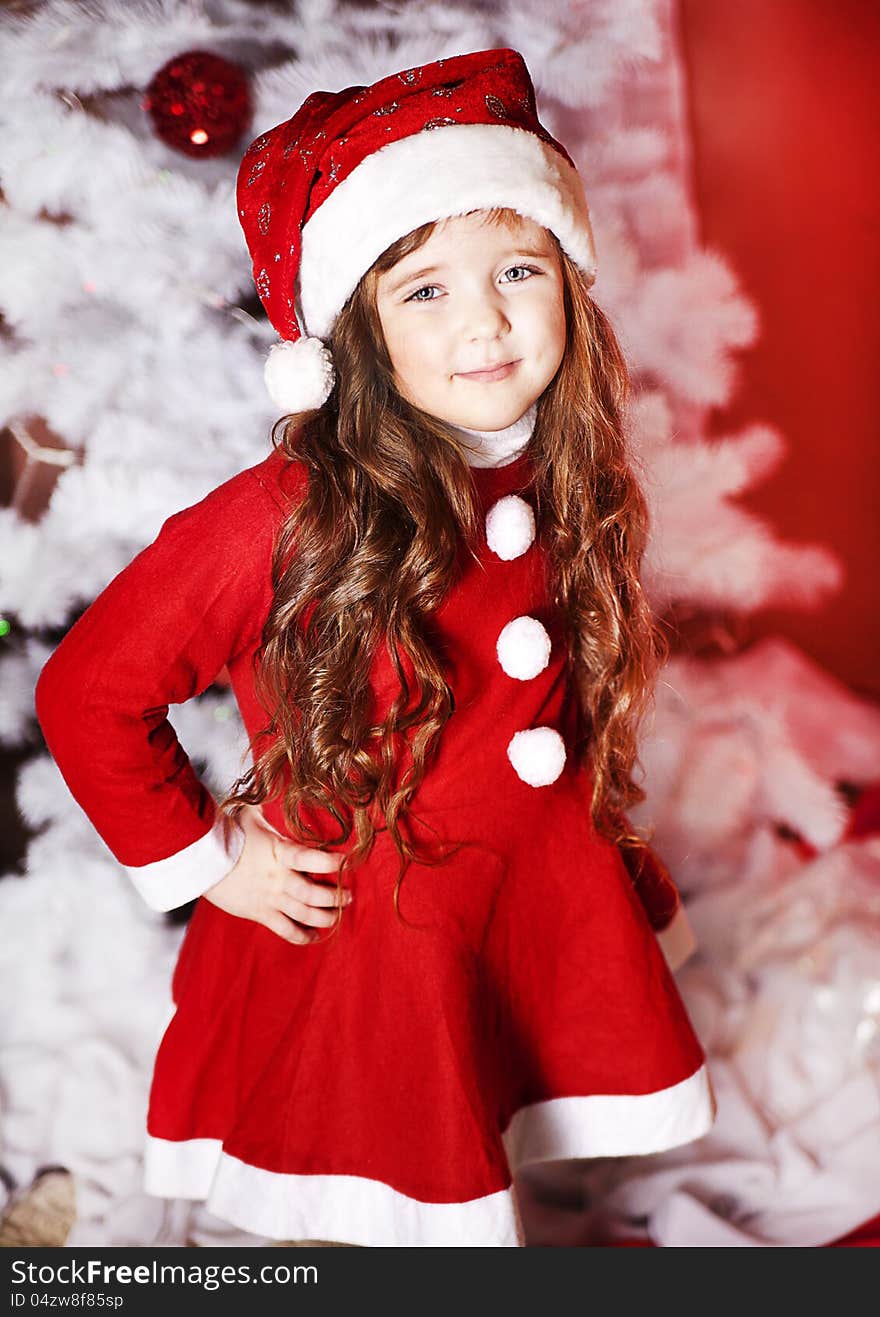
523,648
510,527
299,376
431,175
537,755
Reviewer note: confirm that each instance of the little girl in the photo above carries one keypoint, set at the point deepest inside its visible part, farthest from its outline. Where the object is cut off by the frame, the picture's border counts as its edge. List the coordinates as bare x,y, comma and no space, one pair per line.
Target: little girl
424,953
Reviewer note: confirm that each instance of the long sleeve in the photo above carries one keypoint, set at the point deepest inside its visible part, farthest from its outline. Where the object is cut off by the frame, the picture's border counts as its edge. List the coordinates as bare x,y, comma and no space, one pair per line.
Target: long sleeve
159,634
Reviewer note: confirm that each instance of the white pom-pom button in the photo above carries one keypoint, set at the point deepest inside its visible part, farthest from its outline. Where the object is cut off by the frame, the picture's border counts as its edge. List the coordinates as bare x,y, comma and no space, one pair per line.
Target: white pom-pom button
523,648
510,527
537,755
299,376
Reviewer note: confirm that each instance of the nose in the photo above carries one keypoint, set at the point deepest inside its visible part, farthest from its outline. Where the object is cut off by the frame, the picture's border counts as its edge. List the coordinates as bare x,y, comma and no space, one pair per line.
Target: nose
485,317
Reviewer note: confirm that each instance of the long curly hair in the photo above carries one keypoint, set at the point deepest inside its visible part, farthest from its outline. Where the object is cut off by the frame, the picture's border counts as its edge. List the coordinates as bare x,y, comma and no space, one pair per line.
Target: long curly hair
374,546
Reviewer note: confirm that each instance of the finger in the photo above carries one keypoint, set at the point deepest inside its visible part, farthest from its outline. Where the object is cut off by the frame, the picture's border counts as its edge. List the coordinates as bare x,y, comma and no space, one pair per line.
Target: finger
306,914
287,930
317,894
304,857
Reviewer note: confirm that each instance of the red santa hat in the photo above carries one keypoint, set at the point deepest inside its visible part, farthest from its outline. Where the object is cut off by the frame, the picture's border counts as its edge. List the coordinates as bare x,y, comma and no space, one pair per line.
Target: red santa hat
322,195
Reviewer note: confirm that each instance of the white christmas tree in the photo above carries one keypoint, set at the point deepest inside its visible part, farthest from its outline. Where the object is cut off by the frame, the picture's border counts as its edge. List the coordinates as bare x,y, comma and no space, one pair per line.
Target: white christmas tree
133,335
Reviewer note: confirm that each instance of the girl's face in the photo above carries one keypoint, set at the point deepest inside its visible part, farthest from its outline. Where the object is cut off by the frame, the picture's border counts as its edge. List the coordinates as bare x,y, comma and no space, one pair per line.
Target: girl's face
474,320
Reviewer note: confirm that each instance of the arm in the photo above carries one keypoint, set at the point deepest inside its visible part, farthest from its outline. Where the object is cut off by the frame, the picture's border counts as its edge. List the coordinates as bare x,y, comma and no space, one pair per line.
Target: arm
660,897
159,634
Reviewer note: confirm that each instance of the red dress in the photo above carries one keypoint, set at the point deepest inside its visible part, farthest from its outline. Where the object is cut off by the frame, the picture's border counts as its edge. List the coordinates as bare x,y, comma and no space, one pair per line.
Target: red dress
380,1087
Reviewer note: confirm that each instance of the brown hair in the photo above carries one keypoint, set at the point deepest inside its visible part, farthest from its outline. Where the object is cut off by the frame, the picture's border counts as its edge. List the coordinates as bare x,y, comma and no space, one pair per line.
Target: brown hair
373,548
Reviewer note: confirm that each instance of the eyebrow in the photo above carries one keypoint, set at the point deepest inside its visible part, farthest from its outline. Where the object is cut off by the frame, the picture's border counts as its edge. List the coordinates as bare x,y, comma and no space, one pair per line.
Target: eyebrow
540,252
416,274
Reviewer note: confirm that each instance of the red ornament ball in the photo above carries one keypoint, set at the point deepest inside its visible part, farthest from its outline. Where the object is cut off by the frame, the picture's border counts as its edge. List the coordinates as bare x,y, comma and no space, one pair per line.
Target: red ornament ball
199,103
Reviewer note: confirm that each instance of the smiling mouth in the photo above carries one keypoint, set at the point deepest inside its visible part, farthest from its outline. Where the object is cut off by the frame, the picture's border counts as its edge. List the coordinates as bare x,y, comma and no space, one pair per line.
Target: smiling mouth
494,373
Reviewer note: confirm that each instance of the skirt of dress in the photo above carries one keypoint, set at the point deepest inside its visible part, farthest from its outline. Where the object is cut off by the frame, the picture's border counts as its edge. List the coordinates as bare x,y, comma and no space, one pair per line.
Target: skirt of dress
382,1086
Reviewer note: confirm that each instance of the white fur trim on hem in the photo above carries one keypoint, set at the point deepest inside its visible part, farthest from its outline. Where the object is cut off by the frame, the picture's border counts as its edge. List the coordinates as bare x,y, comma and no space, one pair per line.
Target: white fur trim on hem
356,1210
427,176
677,940
346,1208
169,883
611,1125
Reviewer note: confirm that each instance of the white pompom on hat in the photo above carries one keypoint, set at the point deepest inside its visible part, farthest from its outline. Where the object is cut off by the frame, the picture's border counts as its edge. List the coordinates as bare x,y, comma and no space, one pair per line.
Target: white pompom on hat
322,195
299,376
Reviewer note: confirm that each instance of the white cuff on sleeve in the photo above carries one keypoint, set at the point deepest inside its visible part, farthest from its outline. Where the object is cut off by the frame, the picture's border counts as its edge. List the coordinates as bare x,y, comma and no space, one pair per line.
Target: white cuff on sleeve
677,940
166,884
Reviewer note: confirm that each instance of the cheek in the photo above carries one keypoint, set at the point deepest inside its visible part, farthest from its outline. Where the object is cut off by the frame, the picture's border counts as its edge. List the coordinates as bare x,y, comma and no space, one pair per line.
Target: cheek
550,329
414,352
561,334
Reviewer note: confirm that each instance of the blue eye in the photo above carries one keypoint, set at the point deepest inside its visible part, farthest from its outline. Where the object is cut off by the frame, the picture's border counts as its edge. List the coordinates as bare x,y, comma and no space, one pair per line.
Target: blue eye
527,270
521,274
426,288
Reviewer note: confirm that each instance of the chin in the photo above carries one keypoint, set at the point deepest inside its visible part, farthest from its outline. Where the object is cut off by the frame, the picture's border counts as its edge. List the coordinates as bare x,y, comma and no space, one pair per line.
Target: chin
491,418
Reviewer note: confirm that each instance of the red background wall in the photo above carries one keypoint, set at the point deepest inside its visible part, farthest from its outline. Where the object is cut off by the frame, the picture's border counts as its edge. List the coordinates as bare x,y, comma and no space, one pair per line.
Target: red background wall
785,108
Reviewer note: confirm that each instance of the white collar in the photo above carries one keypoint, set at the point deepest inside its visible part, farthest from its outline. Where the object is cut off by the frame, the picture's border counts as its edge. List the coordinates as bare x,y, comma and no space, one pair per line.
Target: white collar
499,447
